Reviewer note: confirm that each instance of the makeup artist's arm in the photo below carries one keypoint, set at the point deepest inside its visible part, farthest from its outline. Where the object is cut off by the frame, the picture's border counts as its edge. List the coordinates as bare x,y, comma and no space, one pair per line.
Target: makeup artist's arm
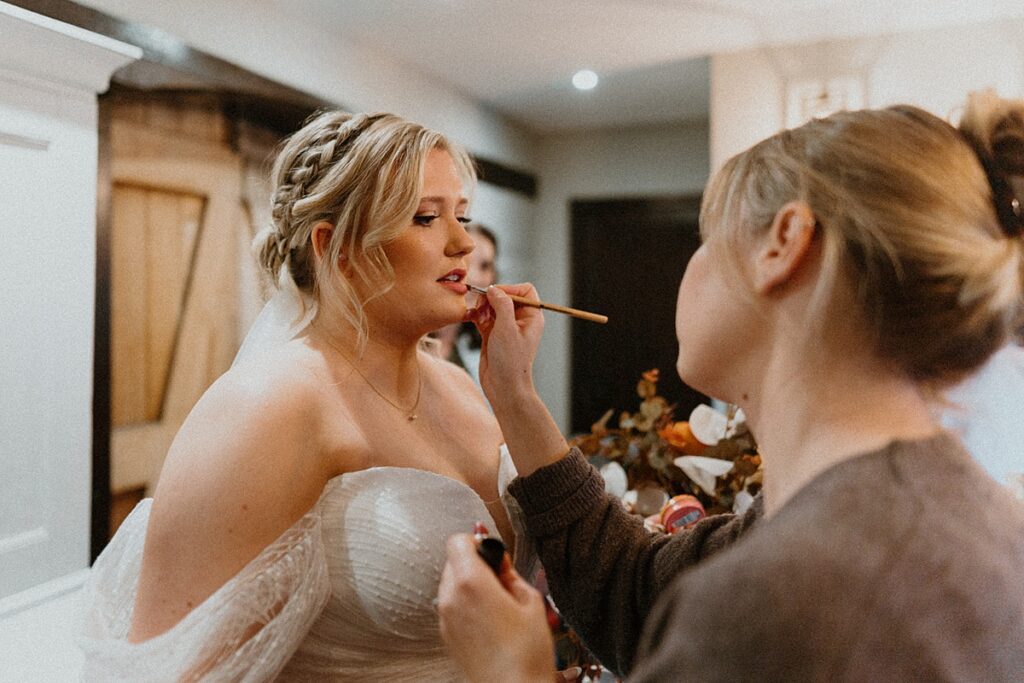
510,339
604,570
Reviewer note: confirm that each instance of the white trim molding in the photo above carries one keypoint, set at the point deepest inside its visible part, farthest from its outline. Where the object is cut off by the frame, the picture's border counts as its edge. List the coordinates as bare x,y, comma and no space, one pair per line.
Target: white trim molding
44,592
15,140
59,53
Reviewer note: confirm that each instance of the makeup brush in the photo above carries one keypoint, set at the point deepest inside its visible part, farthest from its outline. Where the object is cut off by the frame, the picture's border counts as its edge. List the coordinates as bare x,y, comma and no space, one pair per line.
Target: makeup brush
523,301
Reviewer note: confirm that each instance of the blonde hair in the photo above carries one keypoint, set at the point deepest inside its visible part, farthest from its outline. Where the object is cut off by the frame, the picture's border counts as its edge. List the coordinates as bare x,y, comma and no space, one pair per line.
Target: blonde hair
906,215
363,174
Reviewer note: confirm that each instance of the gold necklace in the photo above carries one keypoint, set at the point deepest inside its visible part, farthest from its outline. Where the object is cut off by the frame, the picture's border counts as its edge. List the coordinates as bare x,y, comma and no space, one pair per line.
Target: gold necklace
411,412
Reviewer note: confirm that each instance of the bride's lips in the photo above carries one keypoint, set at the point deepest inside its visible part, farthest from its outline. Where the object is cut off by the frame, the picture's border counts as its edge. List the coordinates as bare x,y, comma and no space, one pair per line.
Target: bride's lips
453,280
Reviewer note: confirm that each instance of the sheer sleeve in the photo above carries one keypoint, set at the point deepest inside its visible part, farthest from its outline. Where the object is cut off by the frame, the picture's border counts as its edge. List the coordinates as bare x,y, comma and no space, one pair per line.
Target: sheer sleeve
246,631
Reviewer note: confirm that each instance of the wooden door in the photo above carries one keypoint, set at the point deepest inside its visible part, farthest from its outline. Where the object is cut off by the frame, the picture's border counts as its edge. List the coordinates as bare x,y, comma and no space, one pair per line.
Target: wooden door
182,278
628,257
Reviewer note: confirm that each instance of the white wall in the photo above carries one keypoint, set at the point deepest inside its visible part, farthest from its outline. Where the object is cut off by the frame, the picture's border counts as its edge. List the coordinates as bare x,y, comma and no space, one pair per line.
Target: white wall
639,162
931,69
510,216
49,76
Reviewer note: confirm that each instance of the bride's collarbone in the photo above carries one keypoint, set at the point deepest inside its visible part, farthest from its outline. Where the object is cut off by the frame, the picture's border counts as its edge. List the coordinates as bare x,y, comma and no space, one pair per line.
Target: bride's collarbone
449,436
471,460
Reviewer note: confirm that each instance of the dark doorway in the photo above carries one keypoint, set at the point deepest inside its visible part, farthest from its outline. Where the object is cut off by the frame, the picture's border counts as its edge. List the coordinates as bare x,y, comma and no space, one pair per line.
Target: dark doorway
628,256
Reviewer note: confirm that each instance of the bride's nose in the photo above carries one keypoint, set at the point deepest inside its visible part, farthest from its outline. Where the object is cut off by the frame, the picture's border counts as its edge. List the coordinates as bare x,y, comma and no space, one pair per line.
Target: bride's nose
460,243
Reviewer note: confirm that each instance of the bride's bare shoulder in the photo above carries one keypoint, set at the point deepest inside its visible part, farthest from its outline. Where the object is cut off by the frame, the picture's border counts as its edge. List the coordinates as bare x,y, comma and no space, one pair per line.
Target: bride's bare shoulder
244,467
258,421
276,392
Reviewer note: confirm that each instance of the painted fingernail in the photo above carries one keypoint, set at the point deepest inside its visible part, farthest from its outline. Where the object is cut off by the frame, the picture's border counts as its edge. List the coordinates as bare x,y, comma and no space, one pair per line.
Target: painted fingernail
572,674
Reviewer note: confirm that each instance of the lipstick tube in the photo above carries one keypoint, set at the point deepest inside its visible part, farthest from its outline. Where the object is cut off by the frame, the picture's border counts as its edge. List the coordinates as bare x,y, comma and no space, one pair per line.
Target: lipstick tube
490,549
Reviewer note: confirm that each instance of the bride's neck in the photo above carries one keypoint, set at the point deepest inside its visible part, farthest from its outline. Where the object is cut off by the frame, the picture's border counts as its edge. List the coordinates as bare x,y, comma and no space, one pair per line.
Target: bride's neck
388,360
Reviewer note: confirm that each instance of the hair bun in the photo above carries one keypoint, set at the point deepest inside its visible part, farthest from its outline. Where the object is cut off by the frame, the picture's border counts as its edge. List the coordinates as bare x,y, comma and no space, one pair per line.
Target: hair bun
994,128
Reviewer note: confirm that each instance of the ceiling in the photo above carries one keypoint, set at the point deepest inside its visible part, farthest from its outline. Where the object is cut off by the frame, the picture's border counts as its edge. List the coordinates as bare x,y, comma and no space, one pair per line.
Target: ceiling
518,56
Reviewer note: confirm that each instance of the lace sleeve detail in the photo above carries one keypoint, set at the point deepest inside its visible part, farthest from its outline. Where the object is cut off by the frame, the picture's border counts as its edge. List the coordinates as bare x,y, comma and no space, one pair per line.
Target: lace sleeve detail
246,631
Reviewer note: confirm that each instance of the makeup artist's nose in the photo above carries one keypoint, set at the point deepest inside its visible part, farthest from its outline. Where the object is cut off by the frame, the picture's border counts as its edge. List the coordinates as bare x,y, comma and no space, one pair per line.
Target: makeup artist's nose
460,243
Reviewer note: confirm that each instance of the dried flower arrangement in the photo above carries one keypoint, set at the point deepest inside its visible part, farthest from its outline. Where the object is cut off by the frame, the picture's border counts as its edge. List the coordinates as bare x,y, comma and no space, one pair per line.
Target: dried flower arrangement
650,458
670,472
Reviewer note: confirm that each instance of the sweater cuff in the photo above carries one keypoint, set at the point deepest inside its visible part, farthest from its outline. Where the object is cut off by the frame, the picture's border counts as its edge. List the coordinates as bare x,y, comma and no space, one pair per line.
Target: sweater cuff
557,495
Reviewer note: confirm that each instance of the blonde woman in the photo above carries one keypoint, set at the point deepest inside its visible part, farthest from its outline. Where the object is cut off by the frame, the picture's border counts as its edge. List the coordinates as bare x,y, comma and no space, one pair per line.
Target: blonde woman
299,523
851,269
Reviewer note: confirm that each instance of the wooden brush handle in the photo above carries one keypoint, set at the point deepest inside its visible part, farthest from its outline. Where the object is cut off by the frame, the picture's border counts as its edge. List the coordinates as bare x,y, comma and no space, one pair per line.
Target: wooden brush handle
574,312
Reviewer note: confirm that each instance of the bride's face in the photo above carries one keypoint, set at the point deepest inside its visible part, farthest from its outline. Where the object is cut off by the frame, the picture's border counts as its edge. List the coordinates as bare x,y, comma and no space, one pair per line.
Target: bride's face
429,256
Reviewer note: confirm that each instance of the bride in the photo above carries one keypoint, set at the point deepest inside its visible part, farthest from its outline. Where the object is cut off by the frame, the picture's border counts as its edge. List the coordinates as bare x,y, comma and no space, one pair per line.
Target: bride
299,524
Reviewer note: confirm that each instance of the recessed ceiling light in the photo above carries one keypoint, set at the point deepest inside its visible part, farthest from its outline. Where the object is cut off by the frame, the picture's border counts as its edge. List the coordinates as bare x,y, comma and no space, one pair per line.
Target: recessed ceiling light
584,80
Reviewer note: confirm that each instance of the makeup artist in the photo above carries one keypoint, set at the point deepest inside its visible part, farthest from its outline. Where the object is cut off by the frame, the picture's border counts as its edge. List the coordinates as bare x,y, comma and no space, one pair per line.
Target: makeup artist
851,269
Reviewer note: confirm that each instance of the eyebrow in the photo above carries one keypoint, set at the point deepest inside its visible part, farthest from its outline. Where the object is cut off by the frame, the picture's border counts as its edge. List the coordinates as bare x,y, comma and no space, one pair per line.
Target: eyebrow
442,200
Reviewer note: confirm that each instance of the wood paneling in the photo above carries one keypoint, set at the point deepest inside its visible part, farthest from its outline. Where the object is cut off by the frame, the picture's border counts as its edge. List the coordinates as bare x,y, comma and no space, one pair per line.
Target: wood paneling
177,308
154,235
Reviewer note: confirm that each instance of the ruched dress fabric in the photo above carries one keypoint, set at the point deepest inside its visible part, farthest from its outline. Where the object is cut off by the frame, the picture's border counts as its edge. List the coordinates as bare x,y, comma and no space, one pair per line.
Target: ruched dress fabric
347,593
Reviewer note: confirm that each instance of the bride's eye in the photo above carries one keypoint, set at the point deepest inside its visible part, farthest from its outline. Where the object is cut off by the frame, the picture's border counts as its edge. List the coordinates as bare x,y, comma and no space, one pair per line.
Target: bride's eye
424,219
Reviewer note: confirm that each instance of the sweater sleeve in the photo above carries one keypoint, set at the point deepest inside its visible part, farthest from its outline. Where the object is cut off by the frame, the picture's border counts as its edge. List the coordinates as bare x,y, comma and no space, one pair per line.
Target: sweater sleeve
604,569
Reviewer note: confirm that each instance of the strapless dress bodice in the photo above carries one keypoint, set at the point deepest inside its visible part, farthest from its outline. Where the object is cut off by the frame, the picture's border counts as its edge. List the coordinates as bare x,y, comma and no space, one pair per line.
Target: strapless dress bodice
348,593
384,532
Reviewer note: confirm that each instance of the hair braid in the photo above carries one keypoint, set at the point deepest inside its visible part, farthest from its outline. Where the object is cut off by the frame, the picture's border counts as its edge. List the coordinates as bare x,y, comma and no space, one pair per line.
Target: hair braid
300,171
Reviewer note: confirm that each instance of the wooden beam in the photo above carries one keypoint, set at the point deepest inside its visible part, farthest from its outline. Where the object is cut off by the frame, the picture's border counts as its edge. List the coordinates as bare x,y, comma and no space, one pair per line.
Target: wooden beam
506,177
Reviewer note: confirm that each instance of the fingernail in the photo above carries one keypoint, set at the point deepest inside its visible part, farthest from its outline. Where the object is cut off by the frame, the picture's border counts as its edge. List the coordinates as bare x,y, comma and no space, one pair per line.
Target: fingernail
572,674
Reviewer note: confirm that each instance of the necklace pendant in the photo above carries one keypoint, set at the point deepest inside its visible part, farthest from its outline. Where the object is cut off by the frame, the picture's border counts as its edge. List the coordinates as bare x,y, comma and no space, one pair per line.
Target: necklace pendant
412,417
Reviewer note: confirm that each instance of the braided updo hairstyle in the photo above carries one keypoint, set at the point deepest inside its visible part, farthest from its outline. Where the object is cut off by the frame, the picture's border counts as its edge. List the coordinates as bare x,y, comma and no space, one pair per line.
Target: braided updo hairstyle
363,174
920,219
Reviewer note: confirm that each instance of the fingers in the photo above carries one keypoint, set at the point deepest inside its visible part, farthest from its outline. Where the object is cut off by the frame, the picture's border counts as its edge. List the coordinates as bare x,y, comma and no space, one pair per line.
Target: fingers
465,567
505,310
568,675
462,556
525,289
502,305
520,590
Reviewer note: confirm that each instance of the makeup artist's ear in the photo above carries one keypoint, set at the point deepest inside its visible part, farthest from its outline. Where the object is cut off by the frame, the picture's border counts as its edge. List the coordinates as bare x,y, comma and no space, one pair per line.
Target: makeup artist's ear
785,247
320,236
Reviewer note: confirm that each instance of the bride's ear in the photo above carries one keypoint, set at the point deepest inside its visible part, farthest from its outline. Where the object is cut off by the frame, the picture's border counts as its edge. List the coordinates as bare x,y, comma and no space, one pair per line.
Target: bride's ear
320,237
786,246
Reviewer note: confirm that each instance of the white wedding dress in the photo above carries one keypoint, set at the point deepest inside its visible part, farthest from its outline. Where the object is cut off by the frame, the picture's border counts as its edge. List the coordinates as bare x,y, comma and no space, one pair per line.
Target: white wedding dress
347,593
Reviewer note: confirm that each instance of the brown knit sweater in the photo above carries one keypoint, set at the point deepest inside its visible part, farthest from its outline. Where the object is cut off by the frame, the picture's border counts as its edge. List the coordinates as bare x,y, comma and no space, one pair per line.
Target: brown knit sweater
905,563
